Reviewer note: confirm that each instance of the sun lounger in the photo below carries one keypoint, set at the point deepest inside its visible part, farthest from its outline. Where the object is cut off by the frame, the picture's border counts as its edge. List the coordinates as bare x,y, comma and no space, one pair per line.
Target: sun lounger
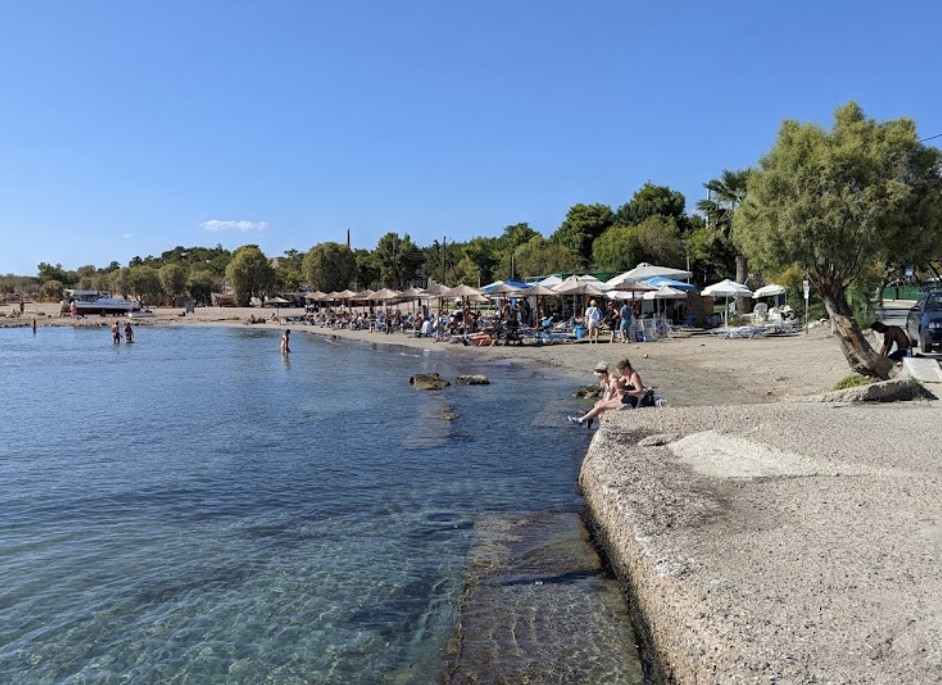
738,332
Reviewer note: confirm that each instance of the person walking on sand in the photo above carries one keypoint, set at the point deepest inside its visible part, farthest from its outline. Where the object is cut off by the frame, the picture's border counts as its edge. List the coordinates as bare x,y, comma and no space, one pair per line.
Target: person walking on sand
285,339
624,322
128,333
115,333
593,320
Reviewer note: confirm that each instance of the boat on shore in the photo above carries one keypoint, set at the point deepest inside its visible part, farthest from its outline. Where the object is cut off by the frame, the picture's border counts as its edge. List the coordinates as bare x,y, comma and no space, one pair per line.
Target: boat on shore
89,302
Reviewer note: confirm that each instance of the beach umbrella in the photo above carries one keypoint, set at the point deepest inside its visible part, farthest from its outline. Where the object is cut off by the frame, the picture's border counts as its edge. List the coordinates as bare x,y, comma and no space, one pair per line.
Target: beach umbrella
412,295
536,290
665,292
574,286
660,281
630,285
504,287
277,301
436,289
645,270
727,288
550,281
385,295
770,290
465,293
316,296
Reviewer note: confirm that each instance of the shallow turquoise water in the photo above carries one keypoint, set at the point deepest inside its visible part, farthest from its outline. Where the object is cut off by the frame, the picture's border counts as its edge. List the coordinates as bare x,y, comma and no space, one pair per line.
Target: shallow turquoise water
195,509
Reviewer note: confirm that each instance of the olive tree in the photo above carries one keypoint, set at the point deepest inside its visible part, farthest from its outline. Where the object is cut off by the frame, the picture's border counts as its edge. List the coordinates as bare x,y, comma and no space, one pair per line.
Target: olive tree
249,273
173,279
329,266
835,203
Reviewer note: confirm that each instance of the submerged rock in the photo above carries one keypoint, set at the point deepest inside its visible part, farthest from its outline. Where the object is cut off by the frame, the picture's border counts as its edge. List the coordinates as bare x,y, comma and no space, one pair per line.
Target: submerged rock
475,379
447,413
589,392
428,381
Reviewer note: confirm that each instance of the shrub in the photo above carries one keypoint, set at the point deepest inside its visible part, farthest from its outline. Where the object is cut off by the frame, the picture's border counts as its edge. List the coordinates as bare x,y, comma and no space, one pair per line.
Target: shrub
854,380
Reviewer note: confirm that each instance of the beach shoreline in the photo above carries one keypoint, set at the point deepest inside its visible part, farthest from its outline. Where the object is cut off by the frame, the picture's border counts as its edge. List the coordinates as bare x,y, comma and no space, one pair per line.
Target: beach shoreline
688,368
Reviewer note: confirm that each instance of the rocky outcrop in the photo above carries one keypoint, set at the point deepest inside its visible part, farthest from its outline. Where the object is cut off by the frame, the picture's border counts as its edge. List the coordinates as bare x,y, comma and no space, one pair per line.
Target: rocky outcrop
895,389
428,381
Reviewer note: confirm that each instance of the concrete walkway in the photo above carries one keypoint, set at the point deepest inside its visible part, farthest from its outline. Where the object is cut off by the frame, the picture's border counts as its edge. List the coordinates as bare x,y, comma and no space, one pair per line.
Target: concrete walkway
785,543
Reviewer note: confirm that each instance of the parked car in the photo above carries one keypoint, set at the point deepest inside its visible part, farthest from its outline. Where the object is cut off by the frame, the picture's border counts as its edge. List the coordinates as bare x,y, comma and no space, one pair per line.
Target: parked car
924,322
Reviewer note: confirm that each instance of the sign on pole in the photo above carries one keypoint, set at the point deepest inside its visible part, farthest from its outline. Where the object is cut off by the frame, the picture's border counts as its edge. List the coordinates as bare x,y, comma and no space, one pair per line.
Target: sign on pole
806,285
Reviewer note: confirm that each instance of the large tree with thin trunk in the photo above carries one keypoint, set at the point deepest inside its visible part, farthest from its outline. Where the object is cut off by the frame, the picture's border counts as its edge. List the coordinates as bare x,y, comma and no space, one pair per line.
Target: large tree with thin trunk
835,203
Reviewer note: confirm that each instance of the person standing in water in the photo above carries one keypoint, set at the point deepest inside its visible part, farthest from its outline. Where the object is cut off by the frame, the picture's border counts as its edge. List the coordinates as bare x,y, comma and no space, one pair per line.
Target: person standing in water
33,324
128,333
285,339
115,333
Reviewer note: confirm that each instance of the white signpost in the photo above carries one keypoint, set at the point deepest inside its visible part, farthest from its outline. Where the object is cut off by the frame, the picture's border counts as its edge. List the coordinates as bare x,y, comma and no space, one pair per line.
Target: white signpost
806,284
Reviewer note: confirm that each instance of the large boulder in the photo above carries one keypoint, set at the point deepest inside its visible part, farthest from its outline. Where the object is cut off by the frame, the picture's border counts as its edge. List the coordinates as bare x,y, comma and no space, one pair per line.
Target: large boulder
428,381
893,390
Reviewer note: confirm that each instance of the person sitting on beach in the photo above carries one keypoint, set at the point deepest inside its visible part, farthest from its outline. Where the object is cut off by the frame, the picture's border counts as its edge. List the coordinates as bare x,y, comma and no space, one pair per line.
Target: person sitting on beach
621,391
892,335
634,394
610,392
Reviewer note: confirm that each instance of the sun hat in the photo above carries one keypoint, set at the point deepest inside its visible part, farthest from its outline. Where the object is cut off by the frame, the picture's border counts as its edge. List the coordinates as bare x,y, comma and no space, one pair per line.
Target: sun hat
601,367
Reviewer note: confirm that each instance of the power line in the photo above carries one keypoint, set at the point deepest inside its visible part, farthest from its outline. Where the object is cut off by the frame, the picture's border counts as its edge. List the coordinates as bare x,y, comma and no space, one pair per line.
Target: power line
937,135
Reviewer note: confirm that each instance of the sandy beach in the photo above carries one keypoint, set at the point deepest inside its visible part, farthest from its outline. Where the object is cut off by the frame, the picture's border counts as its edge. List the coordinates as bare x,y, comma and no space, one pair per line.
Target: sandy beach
689,368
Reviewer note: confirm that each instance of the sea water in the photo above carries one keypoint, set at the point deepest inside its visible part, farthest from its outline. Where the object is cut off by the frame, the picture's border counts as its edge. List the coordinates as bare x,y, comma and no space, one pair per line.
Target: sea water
196,508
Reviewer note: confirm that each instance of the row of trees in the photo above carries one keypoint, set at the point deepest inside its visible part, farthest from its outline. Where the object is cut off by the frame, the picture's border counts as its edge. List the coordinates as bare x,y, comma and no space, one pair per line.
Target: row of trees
840,207
653,226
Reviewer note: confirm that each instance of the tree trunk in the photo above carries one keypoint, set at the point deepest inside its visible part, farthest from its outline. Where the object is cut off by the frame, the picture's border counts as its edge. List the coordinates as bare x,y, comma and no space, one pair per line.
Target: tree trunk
743,304
860,356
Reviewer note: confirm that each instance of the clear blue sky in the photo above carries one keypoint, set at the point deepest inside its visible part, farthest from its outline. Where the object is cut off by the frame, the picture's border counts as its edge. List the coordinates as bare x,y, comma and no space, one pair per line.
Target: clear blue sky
129,128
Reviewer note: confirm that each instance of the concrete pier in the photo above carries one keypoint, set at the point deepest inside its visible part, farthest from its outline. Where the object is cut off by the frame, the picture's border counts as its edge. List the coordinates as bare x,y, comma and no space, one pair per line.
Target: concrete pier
779,543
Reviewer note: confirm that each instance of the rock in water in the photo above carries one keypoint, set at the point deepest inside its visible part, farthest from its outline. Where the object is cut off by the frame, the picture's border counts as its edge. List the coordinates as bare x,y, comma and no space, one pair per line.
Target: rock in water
447,413
476,379
428,381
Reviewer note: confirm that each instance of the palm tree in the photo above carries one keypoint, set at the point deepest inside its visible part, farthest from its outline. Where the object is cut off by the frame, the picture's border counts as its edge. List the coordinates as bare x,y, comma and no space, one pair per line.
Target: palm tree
726,195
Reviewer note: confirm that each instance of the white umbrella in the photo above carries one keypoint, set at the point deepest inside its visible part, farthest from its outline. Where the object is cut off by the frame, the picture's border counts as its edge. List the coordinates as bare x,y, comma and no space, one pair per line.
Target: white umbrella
645,270
575,286
769,290
727,288
665,292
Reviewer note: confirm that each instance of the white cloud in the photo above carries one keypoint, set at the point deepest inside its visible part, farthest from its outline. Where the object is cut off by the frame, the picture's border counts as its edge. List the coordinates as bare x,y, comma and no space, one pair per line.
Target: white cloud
216,225
126,236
